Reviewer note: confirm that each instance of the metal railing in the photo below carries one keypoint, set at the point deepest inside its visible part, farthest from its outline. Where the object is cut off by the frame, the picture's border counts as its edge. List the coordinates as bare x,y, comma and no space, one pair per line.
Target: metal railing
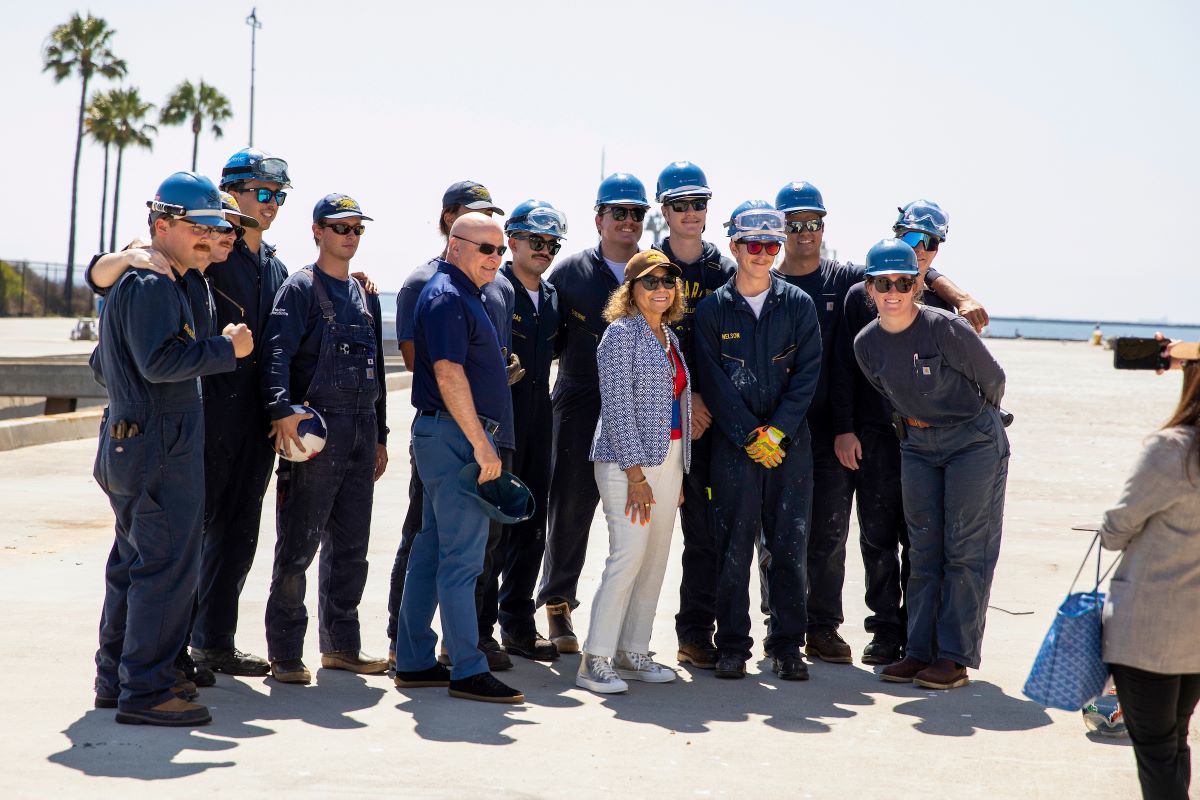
35,289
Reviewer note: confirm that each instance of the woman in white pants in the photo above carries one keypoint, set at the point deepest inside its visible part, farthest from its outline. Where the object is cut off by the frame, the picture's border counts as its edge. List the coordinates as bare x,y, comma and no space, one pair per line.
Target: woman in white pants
641,450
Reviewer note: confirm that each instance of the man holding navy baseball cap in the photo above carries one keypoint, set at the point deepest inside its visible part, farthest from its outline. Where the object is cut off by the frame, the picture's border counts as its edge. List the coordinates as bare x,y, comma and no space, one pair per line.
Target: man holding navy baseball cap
323,349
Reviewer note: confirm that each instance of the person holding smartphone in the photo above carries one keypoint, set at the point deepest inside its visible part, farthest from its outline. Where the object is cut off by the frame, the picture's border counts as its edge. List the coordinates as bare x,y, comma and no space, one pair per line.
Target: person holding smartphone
946,389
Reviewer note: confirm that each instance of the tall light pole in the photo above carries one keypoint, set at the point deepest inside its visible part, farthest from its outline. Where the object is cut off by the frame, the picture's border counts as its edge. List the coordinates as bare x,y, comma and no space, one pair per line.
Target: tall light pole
254,24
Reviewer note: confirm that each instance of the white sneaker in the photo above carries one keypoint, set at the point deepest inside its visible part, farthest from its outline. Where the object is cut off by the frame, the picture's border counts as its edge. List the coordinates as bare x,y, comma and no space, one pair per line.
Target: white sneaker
596,673
638,667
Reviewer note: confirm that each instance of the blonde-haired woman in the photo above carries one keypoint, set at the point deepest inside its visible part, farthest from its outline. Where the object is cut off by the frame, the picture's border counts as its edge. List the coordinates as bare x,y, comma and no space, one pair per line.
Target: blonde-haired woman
641,450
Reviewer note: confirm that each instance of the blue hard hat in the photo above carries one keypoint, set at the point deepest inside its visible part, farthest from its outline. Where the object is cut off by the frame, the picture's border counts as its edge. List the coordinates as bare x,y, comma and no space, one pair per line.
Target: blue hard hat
190,196
622,189
756,221
681,179
891,257
800,196
252,164
505,499
537,216
923,215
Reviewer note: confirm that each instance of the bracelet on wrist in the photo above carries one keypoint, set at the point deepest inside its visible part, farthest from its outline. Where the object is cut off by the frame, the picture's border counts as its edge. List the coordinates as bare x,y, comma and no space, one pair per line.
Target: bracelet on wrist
644,479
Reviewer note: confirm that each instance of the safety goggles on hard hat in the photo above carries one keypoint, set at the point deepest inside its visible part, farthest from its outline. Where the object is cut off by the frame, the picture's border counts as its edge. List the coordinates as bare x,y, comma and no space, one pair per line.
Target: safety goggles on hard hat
935,222
757,221
267,169
212,217
548,221
914,238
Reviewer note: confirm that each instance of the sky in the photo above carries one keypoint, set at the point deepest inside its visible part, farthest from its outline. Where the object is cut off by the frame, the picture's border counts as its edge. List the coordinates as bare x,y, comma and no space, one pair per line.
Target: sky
1060,137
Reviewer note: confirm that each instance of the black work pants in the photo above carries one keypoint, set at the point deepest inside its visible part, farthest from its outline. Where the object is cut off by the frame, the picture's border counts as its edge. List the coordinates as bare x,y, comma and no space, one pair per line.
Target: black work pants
696,620
408,533
486,589
1158,712
833,493
748,501
883,533
237,469
573,493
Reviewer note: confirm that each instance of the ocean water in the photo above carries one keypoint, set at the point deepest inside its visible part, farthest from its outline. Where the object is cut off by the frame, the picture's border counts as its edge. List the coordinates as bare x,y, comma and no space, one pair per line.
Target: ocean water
1081,330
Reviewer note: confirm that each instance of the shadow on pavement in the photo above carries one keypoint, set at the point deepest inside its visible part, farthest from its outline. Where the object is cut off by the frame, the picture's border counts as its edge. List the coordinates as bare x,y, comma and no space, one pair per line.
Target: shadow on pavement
978,706
101,747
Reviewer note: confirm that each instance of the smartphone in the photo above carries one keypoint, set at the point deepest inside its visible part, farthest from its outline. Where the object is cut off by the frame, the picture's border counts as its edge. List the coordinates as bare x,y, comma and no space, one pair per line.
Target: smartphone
1131,352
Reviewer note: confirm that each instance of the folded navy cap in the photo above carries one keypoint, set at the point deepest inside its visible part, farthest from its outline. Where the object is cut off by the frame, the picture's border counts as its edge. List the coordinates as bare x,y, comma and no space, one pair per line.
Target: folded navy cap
505,499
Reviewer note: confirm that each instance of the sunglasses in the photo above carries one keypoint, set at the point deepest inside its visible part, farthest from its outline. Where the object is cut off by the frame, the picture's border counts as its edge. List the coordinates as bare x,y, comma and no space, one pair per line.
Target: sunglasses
801,225
237,231
619,214
914,238
651,282
341,228
903,285
697,204
537,244
754,248
265,195
485,248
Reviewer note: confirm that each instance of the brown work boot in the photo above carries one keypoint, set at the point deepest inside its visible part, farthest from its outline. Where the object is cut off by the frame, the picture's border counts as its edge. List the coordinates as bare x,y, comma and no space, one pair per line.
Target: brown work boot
291,670
562,633
942,674
903,670
827,645
354,661
175,712
701,655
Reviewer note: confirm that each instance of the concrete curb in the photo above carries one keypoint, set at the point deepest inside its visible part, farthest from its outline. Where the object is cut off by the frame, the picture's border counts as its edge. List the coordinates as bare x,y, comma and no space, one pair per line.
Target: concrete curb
29,431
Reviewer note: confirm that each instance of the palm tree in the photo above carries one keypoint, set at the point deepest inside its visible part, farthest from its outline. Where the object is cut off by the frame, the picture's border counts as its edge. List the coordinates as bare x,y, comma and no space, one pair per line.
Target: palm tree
129,110
80,47
192,103
101,126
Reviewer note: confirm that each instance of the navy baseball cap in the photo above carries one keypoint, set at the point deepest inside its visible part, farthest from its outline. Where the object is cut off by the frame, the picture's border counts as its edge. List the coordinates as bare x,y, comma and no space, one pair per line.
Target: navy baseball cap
504,499
471,195
337,206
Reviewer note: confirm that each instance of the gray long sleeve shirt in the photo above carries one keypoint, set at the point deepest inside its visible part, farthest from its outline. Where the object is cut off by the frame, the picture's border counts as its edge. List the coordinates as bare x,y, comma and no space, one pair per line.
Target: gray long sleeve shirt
936,370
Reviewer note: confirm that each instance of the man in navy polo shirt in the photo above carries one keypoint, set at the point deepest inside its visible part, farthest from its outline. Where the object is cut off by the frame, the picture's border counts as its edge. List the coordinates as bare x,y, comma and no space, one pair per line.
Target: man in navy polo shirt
460,387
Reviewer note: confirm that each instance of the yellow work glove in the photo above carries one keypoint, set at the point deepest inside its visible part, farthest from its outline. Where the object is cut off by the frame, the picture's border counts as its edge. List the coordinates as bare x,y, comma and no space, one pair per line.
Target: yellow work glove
765,445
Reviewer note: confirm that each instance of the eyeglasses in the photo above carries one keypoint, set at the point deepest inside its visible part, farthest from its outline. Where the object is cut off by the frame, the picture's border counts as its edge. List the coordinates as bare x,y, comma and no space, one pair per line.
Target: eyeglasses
651,282
801,225
903,285
537,244
619,213
914,238
485,248
754,248
265,195
342,229
696,204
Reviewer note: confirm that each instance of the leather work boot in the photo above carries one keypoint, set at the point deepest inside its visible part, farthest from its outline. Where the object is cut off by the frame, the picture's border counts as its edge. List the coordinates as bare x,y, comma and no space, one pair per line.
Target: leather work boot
175,713
942,674
497,659
531,645
291,670
827,645
702,655
730,666
562,632
201,676
232,662
789,667
902,671
354,661
882,650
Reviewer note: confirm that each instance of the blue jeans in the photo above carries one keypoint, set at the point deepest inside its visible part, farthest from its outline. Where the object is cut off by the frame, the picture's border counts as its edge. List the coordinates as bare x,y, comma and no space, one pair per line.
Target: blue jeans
446,558
953,481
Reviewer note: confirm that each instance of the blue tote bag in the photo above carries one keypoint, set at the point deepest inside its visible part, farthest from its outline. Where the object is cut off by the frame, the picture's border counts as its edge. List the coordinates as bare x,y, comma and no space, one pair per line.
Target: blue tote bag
1069,670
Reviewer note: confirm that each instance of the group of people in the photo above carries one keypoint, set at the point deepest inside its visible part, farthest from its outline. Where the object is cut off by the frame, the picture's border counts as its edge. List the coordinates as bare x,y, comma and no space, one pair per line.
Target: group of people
752,399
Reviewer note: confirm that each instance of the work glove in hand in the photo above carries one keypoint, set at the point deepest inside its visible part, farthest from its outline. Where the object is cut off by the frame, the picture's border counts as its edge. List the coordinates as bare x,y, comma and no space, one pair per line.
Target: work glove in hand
765,445
514,369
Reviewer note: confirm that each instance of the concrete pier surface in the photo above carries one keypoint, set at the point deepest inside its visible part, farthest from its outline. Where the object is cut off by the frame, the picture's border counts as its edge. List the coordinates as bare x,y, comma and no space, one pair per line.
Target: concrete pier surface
842,734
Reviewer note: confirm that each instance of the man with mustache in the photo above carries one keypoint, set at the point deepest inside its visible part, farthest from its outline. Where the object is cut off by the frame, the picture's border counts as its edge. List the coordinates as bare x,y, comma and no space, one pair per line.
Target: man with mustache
150,458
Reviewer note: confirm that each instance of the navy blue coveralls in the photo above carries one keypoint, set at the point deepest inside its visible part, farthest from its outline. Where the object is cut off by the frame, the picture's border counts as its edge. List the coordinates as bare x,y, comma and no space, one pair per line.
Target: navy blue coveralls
583,282
323,347
237,453
498,301
151,360
954,470
519,554
696,620
860,409
754,372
